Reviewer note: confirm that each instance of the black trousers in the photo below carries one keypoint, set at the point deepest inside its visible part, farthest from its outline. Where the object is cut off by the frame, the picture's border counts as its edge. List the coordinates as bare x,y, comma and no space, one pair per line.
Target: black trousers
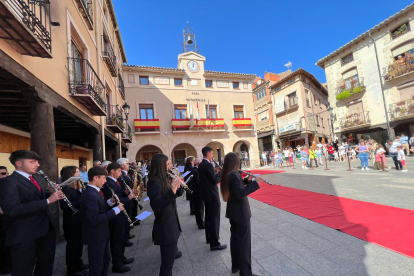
5,261
191,197
212,222
167,258
198,210
117,237
241,247
37,254
134,212
99,258
129,212
74,247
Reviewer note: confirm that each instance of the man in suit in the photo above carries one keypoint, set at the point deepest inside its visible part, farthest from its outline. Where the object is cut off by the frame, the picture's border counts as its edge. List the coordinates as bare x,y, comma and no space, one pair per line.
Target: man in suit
4,251
198,202
117,225
24,200
95,222
209,178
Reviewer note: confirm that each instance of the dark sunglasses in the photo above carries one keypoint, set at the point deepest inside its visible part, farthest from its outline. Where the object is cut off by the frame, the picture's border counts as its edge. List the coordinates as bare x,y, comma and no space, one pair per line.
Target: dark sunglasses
3,173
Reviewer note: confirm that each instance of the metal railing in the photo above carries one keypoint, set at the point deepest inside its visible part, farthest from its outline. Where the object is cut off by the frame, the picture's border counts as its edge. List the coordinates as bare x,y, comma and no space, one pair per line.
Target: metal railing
355,119
108,51
87,6
115,116
401,108
121,86
353,87
127,134
84,80
35,14
399,68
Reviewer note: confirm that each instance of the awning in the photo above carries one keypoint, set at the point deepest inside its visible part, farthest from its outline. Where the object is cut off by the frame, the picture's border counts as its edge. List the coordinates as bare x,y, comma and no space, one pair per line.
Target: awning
266,133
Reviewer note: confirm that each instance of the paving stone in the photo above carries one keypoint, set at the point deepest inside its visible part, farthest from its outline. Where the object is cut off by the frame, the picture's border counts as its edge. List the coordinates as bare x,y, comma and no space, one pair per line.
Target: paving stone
312,241
279,264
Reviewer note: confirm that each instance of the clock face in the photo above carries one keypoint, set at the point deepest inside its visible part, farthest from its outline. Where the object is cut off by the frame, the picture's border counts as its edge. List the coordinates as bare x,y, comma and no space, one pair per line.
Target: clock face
193,66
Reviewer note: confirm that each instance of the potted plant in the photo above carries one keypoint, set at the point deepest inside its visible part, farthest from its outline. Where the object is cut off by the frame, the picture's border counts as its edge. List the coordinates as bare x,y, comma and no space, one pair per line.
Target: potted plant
404,111
130,135
113,120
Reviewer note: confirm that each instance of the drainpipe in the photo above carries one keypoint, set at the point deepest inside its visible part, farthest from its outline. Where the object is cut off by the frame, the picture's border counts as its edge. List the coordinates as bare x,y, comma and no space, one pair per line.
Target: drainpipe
391,136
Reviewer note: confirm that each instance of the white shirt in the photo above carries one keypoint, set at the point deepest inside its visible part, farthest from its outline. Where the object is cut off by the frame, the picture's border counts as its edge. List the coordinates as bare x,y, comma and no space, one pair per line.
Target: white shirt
286,152
116,209
112,178
401,155
24,174
126,173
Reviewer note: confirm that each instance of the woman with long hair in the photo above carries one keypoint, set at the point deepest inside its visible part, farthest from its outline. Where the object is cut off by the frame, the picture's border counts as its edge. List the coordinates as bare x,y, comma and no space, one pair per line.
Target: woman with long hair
72,223
162,192
234,191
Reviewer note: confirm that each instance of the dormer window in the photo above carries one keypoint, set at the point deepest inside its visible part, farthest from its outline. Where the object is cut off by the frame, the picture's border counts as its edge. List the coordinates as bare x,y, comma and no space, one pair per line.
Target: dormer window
404,28
347,59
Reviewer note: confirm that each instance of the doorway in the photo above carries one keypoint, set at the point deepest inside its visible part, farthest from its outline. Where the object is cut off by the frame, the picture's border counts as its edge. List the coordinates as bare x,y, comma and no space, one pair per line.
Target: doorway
179,157
148,155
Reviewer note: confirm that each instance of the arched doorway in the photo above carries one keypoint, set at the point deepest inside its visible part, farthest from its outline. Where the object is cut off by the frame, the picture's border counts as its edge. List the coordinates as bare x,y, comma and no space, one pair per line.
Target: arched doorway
146,152
180,152
218,151
242,147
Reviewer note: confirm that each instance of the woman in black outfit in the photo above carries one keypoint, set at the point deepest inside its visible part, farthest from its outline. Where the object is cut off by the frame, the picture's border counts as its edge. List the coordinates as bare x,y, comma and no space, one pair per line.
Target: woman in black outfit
162,192
72,223
189,164
235,191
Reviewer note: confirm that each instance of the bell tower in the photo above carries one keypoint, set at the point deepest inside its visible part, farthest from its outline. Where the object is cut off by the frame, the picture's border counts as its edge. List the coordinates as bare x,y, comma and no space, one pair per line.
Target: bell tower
189,40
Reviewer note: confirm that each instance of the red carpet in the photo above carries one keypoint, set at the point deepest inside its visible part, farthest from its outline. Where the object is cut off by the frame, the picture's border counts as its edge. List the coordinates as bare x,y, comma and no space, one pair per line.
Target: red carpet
383,225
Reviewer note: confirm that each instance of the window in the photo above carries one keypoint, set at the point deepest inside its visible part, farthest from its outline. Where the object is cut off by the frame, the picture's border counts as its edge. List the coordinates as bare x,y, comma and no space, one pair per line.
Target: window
235,85
261,94
307,98
209,83
291,81
293,100
263,115
143,80
277,88
180,111
404,28
351,79
317,120
131,78
178,82
322,122
347,59
315,100
238,111
146,111
76,63
211,112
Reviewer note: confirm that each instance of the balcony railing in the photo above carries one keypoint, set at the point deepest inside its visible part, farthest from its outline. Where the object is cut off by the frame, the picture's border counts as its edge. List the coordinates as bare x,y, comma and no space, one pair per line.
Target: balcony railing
147,125
26,26
115,120
355,120
121,87
85,86
347,89
109,56
85,7
127,134
202,124
402,109
292,103
403,29
399,68
242,123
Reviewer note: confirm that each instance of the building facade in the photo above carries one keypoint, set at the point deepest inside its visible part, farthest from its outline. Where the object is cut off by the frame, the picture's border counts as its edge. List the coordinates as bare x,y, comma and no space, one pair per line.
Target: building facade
61,87
178,111
300,105
371,100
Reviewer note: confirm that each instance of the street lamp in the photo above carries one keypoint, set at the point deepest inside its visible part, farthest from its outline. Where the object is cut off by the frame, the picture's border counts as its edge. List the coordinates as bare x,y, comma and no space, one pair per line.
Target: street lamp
126,108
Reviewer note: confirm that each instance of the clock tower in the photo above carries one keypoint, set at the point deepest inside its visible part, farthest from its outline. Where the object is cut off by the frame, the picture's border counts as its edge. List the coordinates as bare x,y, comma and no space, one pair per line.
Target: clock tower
190,59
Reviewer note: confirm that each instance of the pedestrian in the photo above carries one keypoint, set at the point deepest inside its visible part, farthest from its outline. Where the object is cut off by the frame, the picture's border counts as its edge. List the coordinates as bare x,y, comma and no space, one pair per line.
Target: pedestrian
260,159
246,159
319,155
291,154
353,154
401,158
336,156
280,157
272,158
362,149
331,151
341,151
313,156
276,163
411,144
380,156
264,157
286,156
404,142
304,156
393,152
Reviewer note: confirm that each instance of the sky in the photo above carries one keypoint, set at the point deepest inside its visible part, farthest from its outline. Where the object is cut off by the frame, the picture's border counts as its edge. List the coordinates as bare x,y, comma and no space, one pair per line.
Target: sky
248,37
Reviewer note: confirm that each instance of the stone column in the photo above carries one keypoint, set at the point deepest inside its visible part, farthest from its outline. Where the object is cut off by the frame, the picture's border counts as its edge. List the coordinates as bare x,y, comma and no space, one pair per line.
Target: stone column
43,142
117,153
97,147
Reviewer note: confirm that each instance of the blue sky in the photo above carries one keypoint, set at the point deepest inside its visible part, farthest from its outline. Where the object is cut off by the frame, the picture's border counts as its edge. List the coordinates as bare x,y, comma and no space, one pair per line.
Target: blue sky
247,36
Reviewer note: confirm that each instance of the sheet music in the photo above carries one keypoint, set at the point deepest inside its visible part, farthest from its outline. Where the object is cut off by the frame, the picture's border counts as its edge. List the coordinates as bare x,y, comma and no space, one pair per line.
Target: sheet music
70,181
186,173
181,169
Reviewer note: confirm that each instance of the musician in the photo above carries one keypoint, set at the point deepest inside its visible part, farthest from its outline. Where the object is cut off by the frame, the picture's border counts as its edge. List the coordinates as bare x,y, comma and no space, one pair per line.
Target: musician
4,251
131,173
209,177
234,191
105,164
95,222
117,224
24,200
162,192
196,196
189,164
72,223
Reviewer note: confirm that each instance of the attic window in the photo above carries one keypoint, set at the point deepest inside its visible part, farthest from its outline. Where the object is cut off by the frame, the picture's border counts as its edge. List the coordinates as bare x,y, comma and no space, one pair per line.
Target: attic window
404,28
347,59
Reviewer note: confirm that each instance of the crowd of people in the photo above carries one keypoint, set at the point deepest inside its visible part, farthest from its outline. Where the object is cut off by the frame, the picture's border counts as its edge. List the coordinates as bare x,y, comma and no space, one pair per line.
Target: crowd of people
100,207
313,156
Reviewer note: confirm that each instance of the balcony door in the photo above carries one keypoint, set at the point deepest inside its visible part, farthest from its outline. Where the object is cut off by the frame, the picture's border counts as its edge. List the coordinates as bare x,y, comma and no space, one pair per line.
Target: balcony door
146,111
238,112
211,112
76,63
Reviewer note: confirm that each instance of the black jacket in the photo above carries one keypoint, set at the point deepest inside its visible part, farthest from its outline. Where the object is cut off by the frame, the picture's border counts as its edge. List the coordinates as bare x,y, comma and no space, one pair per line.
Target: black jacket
118,189
95,220
208,181
238,207
124,178
167,227
186,169
195,183
74,197
26,209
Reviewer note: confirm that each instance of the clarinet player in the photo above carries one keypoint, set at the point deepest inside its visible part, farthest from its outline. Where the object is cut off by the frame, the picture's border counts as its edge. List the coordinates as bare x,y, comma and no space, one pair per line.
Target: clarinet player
234,191
162,192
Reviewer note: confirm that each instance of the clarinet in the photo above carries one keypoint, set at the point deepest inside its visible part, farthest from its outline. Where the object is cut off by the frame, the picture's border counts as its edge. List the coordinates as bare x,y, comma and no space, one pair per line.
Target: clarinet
187,190
82,184
114,196
74,210
130,191
217,164
252,175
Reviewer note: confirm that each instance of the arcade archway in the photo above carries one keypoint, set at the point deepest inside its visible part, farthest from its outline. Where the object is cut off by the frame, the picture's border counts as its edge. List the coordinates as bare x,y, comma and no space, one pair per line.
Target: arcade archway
146,152
180,152
218,150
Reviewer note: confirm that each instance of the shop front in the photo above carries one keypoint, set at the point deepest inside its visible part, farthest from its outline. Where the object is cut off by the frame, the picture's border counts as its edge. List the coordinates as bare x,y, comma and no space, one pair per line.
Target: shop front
265,140
378,134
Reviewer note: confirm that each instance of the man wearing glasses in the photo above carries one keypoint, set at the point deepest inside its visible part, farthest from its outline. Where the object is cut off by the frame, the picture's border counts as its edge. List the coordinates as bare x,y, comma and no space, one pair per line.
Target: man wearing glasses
97,163
3,172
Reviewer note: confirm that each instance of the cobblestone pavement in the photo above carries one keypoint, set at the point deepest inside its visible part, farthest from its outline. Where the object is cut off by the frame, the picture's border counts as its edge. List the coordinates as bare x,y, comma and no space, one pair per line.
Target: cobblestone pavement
283,243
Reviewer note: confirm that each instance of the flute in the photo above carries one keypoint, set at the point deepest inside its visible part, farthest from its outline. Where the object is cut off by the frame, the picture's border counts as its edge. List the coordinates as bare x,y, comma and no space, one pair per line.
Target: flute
130,191
52,185
182,183
252,175
117,201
